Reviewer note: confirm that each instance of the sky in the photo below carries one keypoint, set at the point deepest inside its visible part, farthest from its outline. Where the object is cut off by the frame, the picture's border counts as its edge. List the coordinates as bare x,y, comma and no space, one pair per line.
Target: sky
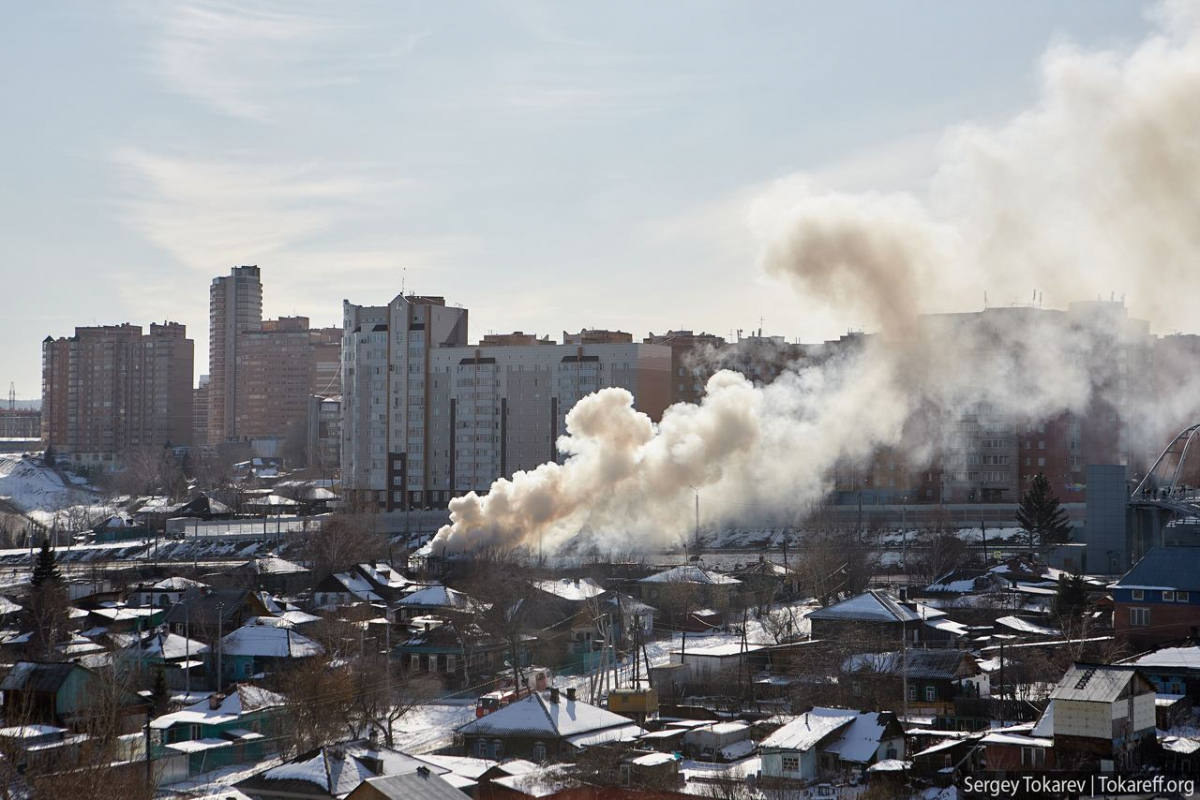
549,166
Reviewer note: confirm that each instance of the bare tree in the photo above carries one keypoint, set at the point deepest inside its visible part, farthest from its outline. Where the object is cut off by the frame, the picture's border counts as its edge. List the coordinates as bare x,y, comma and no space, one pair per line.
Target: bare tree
340,543
380,697
319,701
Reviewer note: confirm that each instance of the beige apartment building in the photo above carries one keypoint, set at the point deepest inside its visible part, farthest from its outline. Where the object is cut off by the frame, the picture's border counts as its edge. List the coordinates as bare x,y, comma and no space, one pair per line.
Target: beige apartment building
112,389
427,417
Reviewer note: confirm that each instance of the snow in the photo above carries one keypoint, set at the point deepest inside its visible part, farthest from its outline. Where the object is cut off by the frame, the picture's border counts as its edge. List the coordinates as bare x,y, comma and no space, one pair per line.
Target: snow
1025,626
171,647
311,771
890,765
625,733
689,573
30,731
1170,657
358,586
537,714
430,727
199,745
805,731
737,750
1017,740
1179,744
269,642
29,484
568,589
653,759
436,595
243,701
861,740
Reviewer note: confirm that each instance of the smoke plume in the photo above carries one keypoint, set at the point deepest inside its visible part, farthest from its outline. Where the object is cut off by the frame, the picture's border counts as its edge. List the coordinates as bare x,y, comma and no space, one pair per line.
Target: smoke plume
1093,190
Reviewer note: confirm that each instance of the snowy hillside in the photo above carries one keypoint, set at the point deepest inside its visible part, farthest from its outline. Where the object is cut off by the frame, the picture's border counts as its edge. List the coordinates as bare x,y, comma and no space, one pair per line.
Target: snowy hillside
30,484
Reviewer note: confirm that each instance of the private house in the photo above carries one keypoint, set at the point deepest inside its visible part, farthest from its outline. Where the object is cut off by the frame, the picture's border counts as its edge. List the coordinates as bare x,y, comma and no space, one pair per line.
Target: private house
222,729
1172,670
719,741
1158,601
435,600
386,581
63,694
935,679
1017,749
688,587
876,618
208,614
258,648
829,742
545,726
722,663
1102,713
968,581
162,594
422,784
273,574
458,654
333,771
343,589
182,660
572,629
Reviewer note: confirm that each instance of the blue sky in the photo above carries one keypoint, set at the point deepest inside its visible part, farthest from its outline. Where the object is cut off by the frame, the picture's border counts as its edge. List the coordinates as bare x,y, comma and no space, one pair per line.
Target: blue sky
548,166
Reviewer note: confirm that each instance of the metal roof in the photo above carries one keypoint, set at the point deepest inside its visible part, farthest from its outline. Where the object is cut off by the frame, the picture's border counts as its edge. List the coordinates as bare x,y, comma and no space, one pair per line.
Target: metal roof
37,676
1093,683
1165,567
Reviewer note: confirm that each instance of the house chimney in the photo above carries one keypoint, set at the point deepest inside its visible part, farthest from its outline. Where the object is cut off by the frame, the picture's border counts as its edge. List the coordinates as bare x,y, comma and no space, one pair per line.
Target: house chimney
214,701
553,695
903,594
571,694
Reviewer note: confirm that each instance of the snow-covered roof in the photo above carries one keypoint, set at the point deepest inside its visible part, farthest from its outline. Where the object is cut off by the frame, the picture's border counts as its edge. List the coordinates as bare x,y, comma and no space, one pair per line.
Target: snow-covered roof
274,565
244,700
176,583
808,729
269,642
652,759
569,589
1025,626
1169,657
890,765
625,733
384,575
874,605
859,742
358,586
720,650
340,769
8,606
689,573
30,731
1017,739
170,647
536,714
1179,744
436,595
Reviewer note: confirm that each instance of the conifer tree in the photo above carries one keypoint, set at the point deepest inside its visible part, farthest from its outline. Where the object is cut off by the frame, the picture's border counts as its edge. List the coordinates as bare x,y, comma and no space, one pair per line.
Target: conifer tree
1041,516
46,566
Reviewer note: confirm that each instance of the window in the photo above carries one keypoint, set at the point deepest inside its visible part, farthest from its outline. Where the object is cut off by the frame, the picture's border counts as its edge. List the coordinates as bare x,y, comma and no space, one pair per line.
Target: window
497,749
539,751
1168,597
414,663
791,763
1033,757
451,664
481,748
1139,594
930,693
1182,597
1139,617
912,693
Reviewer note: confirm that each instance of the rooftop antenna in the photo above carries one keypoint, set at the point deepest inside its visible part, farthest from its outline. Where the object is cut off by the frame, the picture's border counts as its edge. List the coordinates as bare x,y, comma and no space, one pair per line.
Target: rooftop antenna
403,279
12,396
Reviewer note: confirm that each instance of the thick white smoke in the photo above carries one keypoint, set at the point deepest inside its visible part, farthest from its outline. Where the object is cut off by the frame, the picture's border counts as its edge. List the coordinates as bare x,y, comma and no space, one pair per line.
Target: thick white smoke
1095,189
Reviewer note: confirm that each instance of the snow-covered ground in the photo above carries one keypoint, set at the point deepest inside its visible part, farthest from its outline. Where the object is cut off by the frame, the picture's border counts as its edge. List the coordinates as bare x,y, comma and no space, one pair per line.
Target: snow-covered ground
29,484
430,727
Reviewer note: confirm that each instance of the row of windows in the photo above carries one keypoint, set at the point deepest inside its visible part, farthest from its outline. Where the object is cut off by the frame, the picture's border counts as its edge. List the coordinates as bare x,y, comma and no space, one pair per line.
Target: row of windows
1167,596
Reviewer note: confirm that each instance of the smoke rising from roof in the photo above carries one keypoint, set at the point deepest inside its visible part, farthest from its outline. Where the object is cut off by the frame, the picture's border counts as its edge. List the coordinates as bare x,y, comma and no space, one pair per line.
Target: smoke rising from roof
1094,189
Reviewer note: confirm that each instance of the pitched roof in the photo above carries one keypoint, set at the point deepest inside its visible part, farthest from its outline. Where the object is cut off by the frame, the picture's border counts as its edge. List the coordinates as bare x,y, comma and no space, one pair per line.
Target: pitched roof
436,595
246,699
576,590
931,664
337,769
1169,658
689,573
422,784
37,676
809,729
536,715
268,641
874,605
200,606
1164,568
1097,683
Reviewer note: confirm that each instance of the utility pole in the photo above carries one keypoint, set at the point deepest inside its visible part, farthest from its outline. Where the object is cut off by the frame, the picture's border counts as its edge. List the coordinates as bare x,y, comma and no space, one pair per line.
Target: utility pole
187,653
904,664
904,533
1002,714
220,648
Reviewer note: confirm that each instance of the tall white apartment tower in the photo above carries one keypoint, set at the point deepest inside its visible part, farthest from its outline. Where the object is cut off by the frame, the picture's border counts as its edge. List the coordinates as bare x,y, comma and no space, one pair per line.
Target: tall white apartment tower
385,397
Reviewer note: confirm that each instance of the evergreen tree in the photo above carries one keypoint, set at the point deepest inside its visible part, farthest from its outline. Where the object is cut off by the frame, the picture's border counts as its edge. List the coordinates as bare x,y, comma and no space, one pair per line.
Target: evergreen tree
46,567
1071,599
160,696
1041,516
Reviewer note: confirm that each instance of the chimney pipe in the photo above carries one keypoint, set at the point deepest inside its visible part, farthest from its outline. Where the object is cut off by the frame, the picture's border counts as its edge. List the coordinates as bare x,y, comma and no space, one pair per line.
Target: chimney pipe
571,694
553,695
214,701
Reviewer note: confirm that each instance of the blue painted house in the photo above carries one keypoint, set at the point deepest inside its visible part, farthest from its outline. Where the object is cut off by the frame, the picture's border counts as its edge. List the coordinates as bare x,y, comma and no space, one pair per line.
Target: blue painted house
1158,601
224,729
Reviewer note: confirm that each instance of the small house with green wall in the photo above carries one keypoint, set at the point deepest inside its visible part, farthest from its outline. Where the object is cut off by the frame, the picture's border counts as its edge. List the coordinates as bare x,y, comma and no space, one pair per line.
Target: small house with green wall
235,728
47,693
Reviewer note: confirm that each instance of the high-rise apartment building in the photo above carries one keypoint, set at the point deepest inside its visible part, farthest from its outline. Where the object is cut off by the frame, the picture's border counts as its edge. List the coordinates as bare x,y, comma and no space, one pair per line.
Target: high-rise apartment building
691,361
427,417
264,373
112,389
235,305
200,411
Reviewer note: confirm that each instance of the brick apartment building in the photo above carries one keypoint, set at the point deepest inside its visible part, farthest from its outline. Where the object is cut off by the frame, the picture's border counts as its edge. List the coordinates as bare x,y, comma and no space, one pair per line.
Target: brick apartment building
263,373
111,389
